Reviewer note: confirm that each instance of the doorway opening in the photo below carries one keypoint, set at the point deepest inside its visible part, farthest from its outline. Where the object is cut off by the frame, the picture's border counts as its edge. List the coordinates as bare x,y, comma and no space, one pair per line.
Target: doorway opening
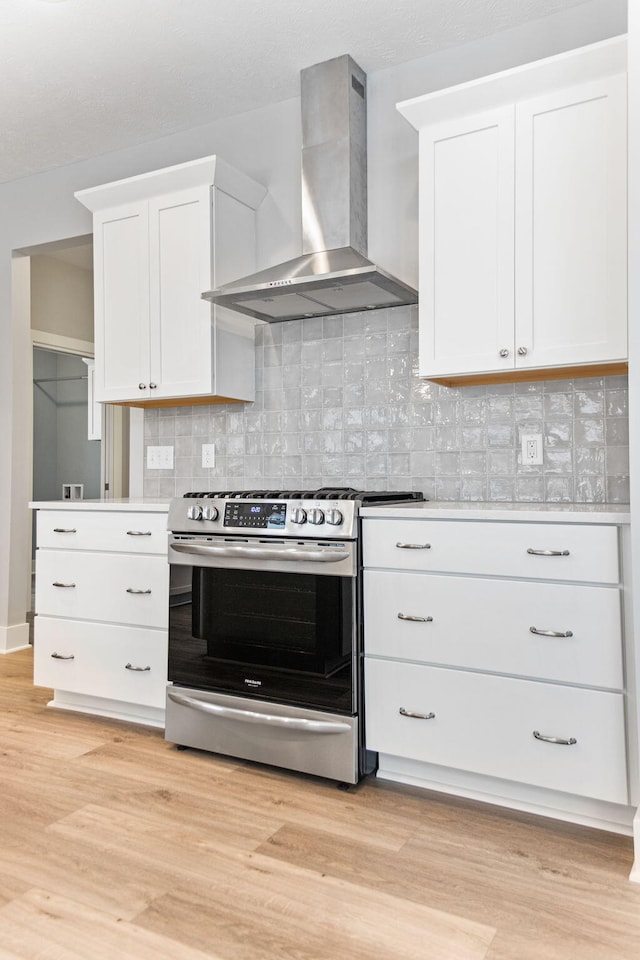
66,462
58,307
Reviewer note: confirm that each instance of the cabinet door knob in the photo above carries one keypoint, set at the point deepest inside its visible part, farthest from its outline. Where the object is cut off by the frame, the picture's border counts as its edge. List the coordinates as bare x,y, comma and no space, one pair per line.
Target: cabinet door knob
504,352
551,633
133,590
565,743
142,386
139,533
152,386
129,666
62,656
56,583
522,351
64,530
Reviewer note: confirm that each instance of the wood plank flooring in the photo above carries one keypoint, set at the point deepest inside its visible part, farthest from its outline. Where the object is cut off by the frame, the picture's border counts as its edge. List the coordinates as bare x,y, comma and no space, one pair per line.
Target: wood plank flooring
116,846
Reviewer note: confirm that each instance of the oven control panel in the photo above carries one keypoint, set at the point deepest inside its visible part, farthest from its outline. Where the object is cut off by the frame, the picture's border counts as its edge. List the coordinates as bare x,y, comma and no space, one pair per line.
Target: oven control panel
258,516
325,519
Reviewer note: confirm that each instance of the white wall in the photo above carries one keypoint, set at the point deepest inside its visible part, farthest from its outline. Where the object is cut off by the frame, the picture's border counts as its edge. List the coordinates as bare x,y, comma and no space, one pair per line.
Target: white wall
41,209
634,341
61,298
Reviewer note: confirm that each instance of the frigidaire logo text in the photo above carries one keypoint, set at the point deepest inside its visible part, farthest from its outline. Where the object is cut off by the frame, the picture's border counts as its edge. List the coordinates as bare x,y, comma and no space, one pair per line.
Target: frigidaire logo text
253,683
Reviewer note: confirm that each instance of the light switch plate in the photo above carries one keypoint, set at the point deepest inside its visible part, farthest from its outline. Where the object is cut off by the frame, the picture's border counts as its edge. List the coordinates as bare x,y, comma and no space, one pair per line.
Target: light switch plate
159,458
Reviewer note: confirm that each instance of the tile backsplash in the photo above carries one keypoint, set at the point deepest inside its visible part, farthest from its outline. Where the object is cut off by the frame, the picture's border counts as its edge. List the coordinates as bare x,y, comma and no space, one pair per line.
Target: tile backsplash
338,402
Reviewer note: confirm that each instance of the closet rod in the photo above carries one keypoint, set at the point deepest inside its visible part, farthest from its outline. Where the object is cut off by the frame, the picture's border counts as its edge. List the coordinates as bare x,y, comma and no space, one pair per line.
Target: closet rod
57,379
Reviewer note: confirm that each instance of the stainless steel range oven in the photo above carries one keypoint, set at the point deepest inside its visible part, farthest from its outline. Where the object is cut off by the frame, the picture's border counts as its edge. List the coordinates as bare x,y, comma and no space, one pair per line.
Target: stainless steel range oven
265,645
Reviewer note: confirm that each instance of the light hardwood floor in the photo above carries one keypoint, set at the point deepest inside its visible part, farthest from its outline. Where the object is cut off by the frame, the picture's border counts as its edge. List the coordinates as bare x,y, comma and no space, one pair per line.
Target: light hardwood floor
114,845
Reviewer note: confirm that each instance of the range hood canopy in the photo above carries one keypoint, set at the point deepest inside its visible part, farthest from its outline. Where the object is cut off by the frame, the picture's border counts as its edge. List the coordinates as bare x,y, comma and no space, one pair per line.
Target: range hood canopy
333,275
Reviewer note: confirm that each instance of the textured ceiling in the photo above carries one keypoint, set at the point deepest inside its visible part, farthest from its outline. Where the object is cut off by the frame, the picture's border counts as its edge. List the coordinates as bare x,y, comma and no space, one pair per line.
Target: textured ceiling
83,77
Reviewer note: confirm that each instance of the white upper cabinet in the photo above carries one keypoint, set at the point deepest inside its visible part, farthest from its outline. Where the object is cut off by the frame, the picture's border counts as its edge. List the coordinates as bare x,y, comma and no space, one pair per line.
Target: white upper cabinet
522,220
571,226
160,241
466,243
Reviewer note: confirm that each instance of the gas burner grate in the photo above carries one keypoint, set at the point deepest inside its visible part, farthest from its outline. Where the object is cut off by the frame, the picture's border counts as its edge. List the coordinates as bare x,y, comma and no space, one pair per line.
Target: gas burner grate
323,493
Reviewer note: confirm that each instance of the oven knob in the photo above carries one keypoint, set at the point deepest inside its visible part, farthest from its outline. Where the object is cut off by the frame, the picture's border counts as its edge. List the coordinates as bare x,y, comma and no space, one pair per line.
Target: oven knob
298,515
210,513
195,512
315,516
334,517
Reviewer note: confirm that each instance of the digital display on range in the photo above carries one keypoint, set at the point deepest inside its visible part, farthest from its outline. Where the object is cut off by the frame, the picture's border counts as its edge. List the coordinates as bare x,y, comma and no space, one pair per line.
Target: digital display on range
260,516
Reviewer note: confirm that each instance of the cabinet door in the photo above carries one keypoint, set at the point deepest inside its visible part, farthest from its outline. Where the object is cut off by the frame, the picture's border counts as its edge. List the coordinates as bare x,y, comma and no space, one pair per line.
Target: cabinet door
550,631
574,552
485,724
571,226
466,245
180,269
121,295
107,587
97,530
101,660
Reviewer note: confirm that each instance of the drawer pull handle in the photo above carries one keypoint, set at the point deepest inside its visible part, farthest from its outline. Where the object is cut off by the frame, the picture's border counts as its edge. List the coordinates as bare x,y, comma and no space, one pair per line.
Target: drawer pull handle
56,583
138,533
416,716
408,616
548,553
413,546
551,633
64,530
565,743
133,590
62,656
129,666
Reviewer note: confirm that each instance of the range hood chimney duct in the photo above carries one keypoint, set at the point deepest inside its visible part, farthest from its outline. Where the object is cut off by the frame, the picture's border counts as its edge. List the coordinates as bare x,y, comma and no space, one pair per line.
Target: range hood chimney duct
333,275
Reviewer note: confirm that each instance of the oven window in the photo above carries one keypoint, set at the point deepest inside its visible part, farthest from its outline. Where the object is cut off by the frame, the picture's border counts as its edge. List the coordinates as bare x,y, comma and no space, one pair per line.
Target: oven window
284,636
295,621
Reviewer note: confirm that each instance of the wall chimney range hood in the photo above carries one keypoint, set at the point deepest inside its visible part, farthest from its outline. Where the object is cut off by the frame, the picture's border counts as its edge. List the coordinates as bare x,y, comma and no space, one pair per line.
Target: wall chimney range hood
333,275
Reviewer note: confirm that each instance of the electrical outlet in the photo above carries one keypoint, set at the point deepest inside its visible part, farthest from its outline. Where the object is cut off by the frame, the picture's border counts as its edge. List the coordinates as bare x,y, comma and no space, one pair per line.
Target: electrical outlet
159,458
208,455
532,449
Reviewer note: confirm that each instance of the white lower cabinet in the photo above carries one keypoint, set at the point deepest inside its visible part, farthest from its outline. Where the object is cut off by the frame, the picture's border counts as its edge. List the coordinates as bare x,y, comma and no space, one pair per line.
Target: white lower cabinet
113,587
102,597
121,663
494,662
488,724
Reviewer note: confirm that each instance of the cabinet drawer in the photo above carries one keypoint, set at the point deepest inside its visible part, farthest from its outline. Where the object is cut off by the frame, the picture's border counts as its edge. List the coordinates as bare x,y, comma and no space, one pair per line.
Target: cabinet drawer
101,660
110,587
484,624
107,530
536,551
486,725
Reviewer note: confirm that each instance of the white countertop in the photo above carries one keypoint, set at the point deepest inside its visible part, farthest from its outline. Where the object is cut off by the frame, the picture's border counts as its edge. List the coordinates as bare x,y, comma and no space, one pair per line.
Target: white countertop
132,504
530,512
427,510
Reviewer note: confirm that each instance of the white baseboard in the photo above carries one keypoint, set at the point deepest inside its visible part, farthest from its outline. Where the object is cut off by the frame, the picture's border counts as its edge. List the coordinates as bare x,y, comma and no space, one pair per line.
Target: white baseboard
598,814
14,638
110,709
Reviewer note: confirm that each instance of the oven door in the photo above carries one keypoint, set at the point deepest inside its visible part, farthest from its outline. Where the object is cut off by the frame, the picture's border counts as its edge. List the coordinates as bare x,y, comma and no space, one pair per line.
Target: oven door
275,621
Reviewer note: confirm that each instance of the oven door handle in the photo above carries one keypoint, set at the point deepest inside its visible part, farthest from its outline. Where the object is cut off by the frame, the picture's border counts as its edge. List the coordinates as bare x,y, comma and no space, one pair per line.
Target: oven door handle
251,716
262,553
